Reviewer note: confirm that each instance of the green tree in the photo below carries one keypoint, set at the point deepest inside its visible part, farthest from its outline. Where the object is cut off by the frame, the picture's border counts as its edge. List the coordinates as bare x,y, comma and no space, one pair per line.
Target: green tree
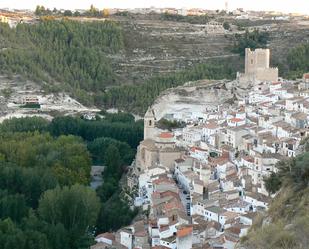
113,162
226,26
297,61
75,207
13,207
67,13
24,124
108,188
272,183
253,40
114,214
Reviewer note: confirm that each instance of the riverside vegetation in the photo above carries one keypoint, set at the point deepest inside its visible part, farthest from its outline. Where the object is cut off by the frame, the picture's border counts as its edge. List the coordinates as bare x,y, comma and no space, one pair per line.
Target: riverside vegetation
45,201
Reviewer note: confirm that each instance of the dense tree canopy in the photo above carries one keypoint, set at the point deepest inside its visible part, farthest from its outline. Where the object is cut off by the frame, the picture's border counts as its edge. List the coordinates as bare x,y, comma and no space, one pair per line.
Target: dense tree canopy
253,40
129,132
98,148
24,124
69,52
66,156
298,61
41,204
75,207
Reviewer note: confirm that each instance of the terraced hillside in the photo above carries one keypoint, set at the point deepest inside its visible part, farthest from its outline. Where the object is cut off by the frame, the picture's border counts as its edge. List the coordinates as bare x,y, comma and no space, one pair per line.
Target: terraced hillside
155,46
126,64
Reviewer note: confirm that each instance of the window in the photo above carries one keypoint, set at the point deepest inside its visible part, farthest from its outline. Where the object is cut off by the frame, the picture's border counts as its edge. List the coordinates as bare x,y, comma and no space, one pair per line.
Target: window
150,123
251,61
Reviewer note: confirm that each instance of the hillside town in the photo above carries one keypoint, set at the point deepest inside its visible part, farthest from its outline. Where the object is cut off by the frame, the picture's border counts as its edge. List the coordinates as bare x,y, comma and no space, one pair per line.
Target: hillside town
16,16
202,186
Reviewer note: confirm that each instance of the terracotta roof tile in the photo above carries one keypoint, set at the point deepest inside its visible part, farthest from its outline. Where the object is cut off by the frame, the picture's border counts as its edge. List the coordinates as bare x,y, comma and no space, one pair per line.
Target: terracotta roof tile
166,135
184,231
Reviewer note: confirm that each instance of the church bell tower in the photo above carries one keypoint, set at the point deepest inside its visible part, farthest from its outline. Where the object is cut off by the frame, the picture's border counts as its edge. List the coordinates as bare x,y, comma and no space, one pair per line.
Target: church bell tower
149,124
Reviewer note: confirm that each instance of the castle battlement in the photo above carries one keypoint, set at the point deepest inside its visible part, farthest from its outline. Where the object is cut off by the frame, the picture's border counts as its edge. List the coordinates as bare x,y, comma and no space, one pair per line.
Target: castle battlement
257,66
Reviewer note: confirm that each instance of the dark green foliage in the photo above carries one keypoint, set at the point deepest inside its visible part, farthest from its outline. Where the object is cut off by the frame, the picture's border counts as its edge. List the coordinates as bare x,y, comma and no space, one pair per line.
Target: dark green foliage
62,51
131,132
65,126
30,124
169,125
253,40
98,148
293,172
203,19
12,206
30,182
35,212
226,26
300,171
137,98
92,12
272,183
113,162
41,10
67,13
114,214
75,207
298,61
66,156
119,117
108,189
31,106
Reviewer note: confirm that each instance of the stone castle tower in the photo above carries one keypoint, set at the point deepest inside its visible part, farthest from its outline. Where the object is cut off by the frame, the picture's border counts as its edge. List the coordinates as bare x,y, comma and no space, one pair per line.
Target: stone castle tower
256,59
149,124
257,66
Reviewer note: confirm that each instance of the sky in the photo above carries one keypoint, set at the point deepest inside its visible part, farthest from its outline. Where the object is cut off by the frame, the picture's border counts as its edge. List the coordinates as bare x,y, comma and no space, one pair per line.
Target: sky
288,6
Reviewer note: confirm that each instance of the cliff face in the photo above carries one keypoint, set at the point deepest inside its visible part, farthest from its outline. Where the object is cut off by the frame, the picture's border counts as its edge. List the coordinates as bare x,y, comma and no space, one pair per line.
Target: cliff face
194,97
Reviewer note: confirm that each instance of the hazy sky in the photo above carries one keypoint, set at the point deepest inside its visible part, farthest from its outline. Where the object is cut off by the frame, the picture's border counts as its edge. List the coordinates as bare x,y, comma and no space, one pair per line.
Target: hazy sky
300,6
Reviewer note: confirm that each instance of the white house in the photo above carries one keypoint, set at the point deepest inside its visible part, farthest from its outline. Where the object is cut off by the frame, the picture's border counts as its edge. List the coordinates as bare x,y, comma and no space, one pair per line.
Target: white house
126,237
192,136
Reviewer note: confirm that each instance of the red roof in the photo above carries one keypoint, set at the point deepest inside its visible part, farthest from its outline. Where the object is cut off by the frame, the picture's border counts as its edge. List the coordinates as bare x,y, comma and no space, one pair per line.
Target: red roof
184,231
194,148
166,135
174,204
163,180
236,120
306,76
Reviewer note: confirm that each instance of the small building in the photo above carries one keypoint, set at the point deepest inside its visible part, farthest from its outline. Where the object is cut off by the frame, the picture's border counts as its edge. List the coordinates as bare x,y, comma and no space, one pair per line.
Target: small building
184,237
306,77
31,100
105,238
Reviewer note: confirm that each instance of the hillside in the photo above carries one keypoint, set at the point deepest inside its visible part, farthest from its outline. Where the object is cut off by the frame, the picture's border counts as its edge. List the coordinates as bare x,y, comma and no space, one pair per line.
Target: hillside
125,62
286,224
155,45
